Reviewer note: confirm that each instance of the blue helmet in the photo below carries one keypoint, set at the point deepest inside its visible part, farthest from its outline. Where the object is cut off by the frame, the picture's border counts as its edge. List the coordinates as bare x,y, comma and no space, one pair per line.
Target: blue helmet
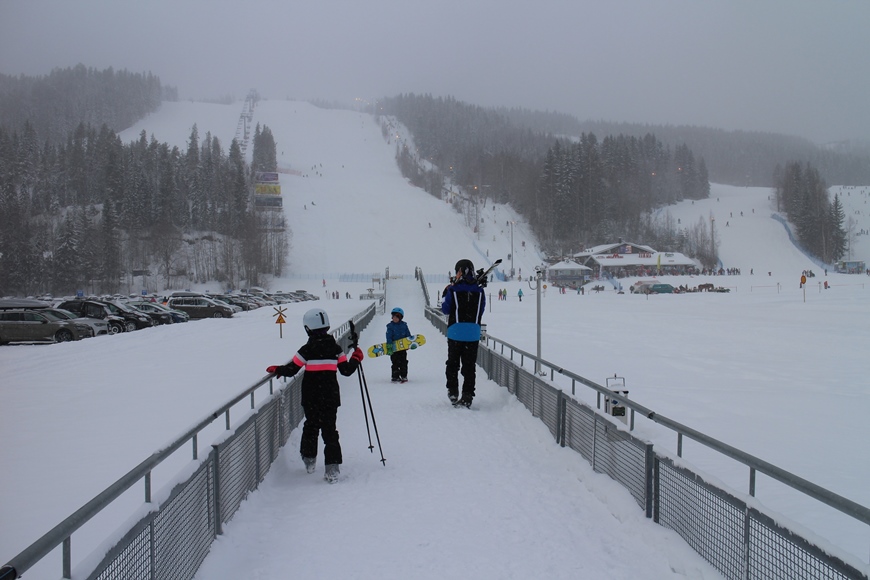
398,311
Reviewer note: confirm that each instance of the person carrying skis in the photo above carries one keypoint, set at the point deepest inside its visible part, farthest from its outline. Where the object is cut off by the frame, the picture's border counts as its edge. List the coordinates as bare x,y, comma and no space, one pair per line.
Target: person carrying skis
322,358
463,303
397,328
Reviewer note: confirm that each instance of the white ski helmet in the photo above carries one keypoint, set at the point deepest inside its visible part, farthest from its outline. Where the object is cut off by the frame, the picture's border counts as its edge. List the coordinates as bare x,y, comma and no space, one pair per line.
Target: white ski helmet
315,319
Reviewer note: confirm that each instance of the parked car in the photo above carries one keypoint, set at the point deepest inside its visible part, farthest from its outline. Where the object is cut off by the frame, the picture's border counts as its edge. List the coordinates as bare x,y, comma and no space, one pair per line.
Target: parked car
252,301
200,307
85,329
660,289
262,297
307,295
157,315
99,326
140,320
94,309
220,300
245,305
146,306
17,303
255,299
295,296
284,297
34,326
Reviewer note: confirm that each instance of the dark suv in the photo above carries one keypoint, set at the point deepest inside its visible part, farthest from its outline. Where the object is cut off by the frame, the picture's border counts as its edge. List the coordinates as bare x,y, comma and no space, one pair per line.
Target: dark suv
139,319
94,309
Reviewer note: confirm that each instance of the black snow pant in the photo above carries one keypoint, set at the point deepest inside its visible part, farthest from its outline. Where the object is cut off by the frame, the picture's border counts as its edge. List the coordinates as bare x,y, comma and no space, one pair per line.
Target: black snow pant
320,419
461,355
399,362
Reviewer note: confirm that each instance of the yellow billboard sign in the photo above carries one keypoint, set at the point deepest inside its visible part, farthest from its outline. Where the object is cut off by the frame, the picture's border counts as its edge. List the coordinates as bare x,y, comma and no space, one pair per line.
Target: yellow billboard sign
267,189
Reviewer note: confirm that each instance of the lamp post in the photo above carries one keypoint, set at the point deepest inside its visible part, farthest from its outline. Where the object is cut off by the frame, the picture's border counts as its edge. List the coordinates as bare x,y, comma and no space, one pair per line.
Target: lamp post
539,273
512,248
477,211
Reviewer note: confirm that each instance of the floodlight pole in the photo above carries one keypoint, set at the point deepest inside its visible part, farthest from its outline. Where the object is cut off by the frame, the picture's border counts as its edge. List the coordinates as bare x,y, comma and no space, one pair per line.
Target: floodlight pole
539,273
512,248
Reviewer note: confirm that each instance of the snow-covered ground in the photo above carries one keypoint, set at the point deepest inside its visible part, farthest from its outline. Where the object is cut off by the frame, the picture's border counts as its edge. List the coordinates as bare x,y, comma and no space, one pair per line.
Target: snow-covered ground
771,369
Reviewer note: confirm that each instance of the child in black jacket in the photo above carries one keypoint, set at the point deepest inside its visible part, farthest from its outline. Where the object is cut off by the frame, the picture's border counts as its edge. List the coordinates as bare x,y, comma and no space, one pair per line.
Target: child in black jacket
322,358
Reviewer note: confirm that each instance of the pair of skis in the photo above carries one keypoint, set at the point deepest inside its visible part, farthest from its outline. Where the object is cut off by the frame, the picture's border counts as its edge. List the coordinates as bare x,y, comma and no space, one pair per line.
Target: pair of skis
481,277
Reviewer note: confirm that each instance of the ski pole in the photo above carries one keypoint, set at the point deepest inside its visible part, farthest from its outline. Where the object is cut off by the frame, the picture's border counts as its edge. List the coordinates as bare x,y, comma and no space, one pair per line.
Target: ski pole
372,411
354,339
365,411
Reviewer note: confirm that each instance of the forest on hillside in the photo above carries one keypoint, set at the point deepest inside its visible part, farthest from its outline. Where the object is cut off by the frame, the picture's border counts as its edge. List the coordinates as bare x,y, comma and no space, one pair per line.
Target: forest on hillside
574,192
747,158
802,195
82,211
56,104
578,187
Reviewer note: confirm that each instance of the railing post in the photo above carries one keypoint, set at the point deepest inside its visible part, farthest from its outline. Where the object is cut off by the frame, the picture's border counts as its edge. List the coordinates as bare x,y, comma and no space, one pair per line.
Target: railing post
594,439
747,545
649,472
257,448
656,488
218,528
752,481
67,557
560,417
153,555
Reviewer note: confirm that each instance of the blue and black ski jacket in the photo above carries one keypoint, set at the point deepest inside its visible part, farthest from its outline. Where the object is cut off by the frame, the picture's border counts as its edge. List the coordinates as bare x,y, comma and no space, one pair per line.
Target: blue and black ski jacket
464,303
397,330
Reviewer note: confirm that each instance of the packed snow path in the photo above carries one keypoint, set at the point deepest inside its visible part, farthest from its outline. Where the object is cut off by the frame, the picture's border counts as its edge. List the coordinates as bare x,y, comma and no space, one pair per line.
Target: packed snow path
479,493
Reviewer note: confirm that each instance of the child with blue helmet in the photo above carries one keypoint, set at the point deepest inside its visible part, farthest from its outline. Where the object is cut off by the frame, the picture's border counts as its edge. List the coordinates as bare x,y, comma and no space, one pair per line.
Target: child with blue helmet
397,328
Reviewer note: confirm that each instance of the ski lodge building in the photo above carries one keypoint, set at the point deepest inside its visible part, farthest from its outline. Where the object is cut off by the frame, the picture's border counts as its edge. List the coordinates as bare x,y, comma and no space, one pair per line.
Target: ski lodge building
624,259
568,273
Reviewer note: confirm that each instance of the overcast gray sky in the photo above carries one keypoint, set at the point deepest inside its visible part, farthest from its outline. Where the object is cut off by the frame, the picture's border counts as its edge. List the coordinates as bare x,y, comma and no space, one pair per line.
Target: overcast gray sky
799,67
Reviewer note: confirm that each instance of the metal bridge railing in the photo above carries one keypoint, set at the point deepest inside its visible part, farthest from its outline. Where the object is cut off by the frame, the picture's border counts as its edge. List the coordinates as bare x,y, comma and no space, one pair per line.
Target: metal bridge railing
173,536
736,535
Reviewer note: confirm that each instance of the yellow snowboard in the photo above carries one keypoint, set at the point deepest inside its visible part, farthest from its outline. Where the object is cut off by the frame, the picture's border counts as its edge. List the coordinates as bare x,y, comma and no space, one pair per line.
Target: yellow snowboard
388,348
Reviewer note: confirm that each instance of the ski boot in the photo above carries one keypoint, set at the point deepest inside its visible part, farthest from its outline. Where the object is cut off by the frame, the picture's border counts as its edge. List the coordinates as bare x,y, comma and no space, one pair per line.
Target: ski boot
462,403
331,473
